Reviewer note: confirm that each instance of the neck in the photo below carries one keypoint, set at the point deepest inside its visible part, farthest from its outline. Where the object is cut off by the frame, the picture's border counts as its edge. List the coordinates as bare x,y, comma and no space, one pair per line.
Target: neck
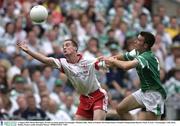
74,58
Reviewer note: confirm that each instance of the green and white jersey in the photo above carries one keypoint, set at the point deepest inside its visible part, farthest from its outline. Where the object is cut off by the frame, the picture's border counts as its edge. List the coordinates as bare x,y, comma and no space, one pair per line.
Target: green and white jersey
148,70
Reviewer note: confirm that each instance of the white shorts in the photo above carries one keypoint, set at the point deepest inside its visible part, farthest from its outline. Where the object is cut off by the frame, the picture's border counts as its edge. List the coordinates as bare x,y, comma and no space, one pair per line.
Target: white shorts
152,100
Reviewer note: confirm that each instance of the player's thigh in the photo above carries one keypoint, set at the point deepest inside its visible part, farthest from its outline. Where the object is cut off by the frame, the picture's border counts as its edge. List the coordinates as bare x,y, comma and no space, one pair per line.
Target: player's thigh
127,104
99,114
79,117
147,115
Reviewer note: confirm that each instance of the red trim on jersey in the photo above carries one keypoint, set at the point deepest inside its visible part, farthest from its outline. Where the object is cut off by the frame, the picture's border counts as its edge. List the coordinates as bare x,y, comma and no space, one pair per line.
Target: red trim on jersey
80,57
62,70
96,65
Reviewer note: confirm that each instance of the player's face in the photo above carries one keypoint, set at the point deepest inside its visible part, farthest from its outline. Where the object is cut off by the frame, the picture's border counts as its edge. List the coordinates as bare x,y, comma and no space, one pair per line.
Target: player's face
68,48
139,43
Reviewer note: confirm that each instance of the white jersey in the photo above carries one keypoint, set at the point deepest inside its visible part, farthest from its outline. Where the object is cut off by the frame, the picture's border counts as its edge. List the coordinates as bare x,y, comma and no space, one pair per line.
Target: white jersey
82,74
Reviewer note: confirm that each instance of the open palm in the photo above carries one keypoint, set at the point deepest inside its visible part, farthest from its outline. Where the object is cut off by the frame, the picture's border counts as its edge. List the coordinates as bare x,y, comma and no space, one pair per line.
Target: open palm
22,45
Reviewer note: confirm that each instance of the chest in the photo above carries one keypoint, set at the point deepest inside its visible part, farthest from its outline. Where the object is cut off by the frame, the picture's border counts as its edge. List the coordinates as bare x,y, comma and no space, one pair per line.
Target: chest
79,69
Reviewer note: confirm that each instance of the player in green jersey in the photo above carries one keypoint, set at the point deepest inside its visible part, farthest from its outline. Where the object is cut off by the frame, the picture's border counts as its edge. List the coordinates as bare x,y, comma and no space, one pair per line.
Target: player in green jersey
151,95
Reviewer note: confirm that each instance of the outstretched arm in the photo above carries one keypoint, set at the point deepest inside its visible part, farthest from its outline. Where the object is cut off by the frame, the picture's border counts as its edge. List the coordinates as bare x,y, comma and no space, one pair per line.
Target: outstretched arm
119,56
46,60
125,65
127,56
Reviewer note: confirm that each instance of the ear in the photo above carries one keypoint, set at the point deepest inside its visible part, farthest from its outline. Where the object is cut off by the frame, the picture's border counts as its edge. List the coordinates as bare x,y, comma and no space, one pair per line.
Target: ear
146,46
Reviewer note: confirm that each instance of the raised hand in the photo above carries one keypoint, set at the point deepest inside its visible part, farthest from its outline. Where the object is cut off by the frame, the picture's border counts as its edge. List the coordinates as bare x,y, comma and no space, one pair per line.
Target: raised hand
101,58
22,45
109,61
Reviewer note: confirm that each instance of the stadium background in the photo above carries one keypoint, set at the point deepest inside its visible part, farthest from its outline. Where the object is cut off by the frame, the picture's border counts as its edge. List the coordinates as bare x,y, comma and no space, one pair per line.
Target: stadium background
101,27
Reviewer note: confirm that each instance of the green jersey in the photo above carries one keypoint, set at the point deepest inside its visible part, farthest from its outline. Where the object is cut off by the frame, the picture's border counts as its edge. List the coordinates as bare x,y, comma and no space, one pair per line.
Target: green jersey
149,71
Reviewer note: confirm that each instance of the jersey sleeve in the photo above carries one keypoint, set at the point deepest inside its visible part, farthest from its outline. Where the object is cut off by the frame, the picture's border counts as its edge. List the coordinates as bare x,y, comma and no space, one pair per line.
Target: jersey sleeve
130,55
143,62
57,63
101,65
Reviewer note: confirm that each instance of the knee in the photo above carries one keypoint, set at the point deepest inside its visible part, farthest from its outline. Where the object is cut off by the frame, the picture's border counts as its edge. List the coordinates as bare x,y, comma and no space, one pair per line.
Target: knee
120,110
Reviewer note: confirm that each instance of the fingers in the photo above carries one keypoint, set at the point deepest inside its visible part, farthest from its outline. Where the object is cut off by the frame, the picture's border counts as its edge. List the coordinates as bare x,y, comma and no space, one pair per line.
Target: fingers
101,58
20,43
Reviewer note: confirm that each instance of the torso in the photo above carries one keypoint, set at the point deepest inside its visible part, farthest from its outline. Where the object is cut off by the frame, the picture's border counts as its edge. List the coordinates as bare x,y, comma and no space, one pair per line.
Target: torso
82,75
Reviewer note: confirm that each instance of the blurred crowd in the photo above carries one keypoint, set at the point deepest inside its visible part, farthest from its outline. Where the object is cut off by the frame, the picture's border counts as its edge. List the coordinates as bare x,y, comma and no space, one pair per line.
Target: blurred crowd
32,91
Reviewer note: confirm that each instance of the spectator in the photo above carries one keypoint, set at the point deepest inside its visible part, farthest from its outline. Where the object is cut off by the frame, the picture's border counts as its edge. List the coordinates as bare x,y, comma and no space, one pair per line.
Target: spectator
22,105
173,84
9,38
3,77
36,79
172,87
47,44
32,112
156,20
173,28
92,49
162,13
55,113
59,87
115,76
160,50
3,114
18,64
165,37
44,103
143,24
34,44
48,78
18,87
20,33
170,60
69,106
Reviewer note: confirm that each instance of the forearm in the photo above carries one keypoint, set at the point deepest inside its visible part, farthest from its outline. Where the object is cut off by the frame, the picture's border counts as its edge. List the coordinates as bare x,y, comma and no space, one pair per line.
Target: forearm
39,57
125,65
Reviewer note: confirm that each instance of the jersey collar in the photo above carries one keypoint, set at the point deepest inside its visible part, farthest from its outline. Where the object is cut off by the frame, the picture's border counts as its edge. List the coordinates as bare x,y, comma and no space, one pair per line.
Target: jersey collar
80,57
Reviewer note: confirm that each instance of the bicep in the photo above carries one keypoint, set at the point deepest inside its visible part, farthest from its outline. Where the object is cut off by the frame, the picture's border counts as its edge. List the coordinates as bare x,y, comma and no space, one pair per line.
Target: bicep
126,65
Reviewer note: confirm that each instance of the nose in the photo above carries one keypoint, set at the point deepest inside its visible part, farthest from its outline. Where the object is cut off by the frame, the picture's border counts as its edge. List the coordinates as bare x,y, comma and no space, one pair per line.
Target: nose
64,47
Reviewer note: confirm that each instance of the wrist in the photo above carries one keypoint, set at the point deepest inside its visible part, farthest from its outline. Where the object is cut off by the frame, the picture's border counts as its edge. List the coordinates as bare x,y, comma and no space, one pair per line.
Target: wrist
113,62
26,50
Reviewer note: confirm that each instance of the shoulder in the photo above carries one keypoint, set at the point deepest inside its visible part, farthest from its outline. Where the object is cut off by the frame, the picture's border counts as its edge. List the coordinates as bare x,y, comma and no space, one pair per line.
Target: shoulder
88,59
61,59
148,55
145,58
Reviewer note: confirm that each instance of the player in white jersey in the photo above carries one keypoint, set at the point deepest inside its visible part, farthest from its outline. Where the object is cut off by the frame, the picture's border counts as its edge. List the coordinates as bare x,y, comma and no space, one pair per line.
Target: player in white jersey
81,72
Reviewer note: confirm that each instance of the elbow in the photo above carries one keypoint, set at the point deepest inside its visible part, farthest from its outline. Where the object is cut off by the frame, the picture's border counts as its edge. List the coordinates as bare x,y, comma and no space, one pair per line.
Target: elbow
47,61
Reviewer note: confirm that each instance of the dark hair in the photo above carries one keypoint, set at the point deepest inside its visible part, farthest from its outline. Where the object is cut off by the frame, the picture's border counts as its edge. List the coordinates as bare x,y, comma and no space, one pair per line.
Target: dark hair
7,25
142,14
148,38
73,42
94,39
